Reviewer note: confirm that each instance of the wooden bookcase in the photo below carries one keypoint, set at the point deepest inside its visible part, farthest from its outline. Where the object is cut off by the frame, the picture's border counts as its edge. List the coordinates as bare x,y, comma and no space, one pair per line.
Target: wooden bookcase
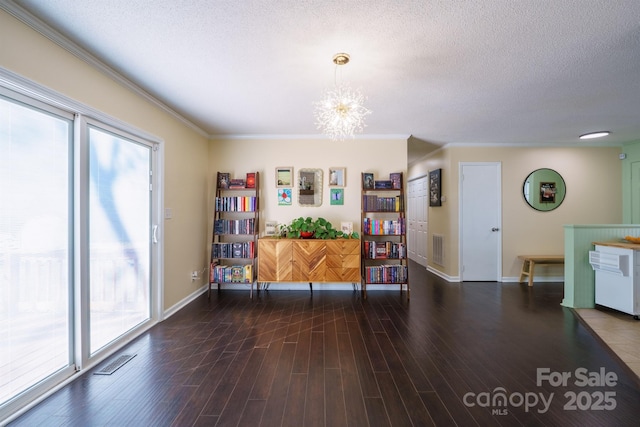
236,225
384,236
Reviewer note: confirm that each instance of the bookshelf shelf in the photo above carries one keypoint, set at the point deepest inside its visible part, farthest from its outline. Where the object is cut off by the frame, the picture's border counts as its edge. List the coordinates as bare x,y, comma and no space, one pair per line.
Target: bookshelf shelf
384,238
235,230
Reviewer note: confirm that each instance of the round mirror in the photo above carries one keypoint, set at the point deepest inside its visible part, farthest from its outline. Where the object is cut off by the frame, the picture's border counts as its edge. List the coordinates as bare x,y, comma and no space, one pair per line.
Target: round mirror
544,189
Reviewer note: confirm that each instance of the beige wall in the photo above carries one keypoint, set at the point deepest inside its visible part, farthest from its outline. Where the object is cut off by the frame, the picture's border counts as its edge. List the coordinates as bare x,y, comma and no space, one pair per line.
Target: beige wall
594,196
35,57
592,175
239,156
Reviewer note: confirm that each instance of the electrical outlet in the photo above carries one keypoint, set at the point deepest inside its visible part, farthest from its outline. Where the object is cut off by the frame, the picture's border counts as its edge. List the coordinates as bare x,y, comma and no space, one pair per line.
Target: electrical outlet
194,275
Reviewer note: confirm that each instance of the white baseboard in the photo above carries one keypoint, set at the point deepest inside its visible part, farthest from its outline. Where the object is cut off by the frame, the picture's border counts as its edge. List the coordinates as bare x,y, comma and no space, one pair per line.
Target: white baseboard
443,276
514,279
180,304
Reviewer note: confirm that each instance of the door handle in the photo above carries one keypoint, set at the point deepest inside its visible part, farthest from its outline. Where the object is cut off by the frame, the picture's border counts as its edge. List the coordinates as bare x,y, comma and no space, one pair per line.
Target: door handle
155,234
495,229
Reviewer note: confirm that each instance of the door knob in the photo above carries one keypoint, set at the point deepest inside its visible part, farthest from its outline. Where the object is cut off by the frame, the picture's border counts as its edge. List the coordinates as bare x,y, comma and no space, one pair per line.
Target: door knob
495,229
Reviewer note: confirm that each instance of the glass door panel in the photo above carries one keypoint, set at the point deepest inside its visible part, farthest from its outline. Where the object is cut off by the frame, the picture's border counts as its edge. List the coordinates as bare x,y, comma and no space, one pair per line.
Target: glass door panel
35,239
119,236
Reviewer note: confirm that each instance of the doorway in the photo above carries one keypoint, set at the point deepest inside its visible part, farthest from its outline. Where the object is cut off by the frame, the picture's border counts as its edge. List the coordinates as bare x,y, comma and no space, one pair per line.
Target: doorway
417,218
480,221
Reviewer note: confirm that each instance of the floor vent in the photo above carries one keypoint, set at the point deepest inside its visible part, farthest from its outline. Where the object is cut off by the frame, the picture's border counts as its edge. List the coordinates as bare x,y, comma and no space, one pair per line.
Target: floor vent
438,249
114,365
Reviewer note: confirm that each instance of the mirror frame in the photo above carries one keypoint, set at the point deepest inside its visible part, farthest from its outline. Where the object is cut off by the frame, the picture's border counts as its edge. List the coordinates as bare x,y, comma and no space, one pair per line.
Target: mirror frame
544,189
309,197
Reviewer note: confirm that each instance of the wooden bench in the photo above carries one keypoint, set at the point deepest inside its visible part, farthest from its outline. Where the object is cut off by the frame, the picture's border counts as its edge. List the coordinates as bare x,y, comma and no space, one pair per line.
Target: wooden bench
529,263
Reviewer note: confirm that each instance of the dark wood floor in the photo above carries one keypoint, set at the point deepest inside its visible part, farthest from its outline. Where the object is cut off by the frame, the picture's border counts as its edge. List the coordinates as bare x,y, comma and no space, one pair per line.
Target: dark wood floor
288,358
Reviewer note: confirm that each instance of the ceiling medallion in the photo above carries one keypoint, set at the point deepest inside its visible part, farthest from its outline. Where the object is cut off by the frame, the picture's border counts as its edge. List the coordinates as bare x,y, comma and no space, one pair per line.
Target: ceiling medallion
341,112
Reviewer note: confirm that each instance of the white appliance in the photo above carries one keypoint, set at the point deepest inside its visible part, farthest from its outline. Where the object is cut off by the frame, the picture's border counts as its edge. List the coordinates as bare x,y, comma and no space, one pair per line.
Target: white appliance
617,271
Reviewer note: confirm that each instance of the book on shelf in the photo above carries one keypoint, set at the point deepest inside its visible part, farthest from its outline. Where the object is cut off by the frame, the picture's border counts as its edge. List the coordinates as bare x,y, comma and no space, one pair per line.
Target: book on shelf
396,180
234,226
381,252
367,181
383,184
251,180
220,273
238,251
381,227
223,179
236,184
386,274
236,204
237,273
373,203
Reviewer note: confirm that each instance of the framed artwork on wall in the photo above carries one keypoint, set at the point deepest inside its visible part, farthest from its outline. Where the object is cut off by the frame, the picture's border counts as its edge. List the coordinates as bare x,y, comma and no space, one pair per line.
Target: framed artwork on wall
337,196
435,188
284,176
284,197
337,177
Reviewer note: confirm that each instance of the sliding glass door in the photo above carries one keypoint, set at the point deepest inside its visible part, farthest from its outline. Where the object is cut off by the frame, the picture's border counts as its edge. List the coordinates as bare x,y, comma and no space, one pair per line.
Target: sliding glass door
78,249
119,236
35,252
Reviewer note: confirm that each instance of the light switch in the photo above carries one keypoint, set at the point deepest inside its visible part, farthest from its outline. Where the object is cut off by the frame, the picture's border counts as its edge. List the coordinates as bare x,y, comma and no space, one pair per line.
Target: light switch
168,213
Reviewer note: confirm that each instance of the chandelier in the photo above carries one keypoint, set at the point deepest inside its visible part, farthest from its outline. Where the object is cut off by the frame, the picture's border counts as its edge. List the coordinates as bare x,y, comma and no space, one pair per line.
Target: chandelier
340,113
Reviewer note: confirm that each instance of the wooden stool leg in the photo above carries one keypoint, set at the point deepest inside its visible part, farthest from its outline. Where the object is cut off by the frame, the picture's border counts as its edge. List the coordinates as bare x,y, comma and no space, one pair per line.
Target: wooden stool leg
523,271
532,265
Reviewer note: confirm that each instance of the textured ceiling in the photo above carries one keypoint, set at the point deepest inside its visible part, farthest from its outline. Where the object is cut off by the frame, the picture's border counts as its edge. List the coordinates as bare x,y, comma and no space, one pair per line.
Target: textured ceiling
443,71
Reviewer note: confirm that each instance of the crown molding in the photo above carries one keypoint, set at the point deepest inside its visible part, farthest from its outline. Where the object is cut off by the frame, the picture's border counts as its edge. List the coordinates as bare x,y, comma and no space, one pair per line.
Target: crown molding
303,136
47,31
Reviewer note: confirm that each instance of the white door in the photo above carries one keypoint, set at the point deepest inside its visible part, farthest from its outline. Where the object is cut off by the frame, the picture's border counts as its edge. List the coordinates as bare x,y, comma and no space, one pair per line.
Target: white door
422,202
417,211
480,222
411,220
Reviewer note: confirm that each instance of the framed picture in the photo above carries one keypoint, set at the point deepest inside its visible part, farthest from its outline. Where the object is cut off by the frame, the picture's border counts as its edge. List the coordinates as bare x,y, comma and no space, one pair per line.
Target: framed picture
548,192
284,176
346,227
284,197
367,181
337,177
270,228
337,196
435,188
223,179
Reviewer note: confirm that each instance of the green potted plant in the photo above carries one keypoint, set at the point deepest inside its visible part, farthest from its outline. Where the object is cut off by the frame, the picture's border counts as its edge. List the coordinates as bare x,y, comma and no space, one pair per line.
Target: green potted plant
307,228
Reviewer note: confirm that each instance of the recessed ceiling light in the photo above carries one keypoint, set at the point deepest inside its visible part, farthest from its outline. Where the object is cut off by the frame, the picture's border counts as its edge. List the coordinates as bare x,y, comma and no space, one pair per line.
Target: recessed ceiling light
595,135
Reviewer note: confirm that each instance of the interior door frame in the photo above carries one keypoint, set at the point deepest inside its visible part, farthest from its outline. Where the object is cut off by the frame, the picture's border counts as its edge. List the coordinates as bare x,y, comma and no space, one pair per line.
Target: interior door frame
498,188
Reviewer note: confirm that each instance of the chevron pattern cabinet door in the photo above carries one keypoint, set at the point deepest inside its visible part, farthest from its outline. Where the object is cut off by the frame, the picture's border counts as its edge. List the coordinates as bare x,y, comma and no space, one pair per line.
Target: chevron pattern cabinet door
343,260
309,261
296,260
275,260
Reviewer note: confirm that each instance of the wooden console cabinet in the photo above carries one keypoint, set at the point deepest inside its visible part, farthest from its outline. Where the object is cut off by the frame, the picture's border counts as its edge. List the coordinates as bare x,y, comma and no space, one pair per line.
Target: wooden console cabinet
308,260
